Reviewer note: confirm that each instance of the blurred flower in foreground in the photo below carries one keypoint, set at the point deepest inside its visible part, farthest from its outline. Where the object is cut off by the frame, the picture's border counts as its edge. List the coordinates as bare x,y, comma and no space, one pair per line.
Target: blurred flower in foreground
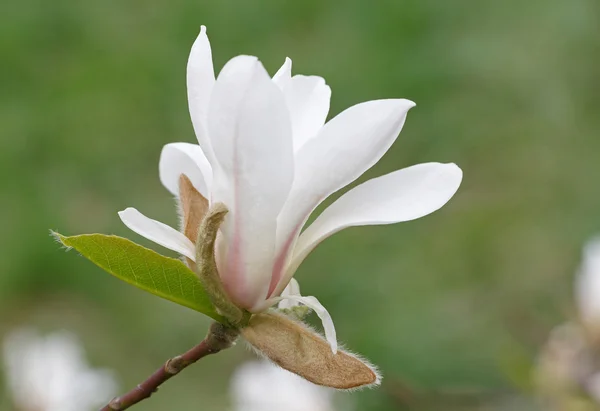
265,152
50,373
568,372
262,386
587,288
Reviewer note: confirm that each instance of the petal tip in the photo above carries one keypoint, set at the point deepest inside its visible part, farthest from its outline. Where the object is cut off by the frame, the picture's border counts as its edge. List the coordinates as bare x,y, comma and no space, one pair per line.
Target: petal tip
127,214
125,211
452,174
203,29
455,169
284,73
408,103
399,105
449,168
240,62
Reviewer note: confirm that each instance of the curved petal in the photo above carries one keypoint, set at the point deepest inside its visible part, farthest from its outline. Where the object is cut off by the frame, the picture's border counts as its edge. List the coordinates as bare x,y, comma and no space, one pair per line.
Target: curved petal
184,158
200,82
251,134
403,195
233,83
345,148
307,98
284,74
293,288
314,305
158,232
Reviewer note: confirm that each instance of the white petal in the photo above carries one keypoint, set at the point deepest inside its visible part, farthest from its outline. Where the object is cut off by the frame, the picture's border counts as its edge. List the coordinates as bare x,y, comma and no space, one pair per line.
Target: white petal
284,74
323,314
321,311
231,87
307,98
188,159
251,134
200,82
293,288
158,232
403,195
345,148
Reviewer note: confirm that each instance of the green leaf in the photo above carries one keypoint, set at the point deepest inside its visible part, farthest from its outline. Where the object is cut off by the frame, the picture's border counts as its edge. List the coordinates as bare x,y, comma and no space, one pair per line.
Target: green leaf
165,277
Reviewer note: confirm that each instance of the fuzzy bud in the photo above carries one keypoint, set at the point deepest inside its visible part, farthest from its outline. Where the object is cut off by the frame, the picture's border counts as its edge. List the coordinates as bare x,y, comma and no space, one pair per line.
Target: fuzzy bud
298,349
193,208
207,267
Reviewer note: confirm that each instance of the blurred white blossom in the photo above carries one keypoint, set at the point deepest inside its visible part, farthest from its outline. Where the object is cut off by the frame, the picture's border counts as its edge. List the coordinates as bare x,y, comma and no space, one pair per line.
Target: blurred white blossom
567,372
587,287
262,386
50,373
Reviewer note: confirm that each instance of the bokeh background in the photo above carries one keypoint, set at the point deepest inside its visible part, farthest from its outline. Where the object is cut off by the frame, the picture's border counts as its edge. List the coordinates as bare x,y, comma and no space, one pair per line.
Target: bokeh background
453,307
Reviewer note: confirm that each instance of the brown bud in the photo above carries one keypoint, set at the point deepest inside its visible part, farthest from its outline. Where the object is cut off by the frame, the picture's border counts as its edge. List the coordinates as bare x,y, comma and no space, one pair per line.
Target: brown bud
193,207
298,349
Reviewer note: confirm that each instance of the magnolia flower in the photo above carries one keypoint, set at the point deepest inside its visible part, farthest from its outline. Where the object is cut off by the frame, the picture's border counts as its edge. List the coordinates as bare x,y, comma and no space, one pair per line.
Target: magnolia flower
587,285
265,151
50,373
261,386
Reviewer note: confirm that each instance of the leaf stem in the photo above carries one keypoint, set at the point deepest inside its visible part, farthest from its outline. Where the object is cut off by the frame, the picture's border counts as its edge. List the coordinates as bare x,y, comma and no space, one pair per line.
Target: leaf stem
219,337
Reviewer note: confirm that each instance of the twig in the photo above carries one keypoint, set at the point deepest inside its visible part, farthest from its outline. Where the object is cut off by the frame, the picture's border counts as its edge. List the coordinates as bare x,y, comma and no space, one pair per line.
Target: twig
219,338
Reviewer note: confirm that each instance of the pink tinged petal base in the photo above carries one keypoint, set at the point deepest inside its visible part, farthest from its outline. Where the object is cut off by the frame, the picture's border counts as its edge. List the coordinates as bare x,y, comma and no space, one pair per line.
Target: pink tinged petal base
251,134
402,195
344,149
158,232
188,159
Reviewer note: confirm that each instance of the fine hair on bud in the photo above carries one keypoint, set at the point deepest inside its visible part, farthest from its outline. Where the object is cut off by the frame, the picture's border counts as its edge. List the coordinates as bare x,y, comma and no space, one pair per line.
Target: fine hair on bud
207,267
296,348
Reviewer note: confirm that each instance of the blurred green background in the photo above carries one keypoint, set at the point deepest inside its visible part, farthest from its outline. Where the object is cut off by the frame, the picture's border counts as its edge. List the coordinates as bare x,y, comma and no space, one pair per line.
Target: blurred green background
453,307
